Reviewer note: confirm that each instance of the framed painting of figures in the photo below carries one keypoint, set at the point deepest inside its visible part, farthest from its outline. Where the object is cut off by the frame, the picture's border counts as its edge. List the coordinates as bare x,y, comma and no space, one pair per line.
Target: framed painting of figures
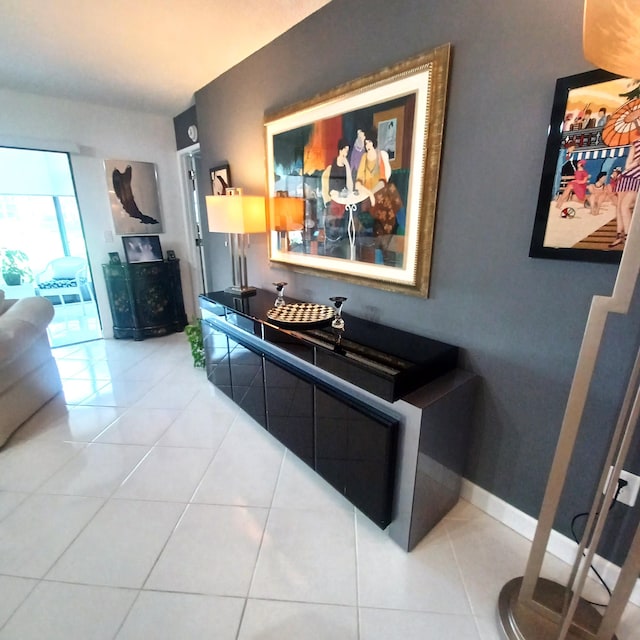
352,177
591,173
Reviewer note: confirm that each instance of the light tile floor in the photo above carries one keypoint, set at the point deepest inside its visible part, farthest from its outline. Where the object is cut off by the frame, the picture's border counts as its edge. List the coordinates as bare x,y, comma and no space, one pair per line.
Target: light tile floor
144,504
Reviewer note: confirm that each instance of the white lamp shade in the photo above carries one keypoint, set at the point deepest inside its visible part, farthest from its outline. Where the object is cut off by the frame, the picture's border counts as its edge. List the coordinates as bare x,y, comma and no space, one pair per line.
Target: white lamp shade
236,214
611,36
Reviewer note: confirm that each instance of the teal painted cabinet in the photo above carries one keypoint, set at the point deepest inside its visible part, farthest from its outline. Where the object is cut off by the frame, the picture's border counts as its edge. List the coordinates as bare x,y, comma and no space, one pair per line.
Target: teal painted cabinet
145,299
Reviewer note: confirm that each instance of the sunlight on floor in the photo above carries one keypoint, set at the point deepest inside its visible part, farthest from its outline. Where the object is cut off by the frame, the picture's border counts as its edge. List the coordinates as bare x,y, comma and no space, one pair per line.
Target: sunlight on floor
74,323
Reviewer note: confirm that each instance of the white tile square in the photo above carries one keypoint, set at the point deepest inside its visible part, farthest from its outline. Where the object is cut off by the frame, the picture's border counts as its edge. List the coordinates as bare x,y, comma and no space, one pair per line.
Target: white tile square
119,393
489,628
197,427
212,551
182,616
13,592
244,470
76,390
57,611
167,473
629,624
68,368
272,620
300,487
119,546
25,465
98,470
381,624
487,548
427,579
41,421
307,556
103,369
36,533
81,424
138,426
9,500
169,393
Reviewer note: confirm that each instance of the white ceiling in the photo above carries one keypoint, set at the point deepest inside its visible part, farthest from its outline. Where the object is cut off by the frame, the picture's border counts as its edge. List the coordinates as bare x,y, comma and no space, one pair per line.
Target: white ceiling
149,55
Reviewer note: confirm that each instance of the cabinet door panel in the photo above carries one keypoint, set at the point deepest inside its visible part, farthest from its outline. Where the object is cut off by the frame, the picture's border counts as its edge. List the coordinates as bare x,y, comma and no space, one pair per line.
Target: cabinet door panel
355,452
247,381
290,410
216,354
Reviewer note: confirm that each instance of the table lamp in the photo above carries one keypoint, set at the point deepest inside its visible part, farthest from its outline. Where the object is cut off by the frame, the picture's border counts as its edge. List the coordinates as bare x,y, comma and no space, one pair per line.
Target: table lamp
286,214
531,607
237,215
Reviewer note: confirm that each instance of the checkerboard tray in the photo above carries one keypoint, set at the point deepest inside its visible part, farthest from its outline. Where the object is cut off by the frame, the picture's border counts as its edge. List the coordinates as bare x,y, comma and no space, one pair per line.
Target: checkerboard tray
301,315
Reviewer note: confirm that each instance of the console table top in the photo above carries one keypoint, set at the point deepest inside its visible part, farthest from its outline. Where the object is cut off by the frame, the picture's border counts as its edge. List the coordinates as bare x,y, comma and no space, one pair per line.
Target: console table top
400,360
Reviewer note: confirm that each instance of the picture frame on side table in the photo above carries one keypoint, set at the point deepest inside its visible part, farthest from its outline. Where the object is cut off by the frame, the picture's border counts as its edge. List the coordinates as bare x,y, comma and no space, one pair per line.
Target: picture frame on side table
372,224
114,258
142,249
584,204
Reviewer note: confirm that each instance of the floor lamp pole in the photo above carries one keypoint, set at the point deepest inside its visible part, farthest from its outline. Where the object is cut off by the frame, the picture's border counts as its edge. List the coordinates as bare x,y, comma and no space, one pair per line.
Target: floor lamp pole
531,607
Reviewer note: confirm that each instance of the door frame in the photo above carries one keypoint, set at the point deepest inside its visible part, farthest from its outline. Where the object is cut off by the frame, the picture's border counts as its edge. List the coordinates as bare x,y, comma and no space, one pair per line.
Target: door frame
188,159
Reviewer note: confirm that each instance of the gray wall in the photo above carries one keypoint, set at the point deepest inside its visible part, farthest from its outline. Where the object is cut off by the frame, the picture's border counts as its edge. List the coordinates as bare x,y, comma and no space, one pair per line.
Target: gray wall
519,320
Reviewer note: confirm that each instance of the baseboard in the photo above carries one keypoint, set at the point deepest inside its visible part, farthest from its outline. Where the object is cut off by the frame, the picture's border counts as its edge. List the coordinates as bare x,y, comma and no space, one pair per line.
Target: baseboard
559,545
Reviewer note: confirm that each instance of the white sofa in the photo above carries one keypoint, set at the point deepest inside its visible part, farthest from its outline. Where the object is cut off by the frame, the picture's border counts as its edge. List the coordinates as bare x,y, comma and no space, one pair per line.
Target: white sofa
28,372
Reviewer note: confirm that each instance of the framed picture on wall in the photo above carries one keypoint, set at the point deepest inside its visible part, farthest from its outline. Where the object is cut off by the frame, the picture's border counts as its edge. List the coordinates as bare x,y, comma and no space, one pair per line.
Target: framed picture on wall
134,197
587,188
220,179
142,249
352,177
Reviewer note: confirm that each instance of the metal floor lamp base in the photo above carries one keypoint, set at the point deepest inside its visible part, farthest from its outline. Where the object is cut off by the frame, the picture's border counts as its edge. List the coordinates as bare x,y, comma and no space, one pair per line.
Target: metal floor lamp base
521,622
241,292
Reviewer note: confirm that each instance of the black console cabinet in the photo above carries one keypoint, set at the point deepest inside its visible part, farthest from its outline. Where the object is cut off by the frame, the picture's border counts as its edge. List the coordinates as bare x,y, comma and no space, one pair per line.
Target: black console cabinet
338,401
145,298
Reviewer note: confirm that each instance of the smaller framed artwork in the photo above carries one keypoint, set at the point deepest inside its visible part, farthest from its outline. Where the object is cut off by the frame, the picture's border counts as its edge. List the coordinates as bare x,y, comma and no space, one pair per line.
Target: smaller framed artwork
114,258
171,254
142,249
591,174
220,179
133,196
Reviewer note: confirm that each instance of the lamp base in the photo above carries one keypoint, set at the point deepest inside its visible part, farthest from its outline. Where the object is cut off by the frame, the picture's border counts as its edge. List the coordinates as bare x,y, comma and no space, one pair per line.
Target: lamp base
520,622
241,292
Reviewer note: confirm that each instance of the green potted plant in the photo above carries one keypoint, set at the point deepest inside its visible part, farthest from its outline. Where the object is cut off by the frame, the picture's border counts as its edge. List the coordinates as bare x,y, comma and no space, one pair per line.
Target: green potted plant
194,335
15,267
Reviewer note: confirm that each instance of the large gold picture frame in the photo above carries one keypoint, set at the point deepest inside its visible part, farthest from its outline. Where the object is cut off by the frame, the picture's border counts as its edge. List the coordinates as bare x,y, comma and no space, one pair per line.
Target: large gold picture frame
352,177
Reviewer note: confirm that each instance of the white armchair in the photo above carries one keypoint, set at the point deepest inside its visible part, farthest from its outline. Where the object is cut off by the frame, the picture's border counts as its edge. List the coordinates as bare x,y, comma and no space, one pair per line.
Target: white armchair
64,277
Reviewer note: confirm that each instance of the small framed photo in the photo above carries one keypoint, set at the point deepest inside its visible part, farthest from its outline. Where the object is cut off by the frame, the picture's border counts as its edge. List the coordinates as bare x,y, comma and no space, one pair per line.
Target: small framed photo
114,258
220,179
142,249
171,254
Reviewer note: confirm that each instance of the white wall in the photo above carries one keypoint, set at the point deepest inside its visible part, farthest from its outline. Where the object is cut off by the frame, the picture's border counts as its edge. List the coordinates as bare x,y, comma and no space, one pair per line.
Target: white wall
92,134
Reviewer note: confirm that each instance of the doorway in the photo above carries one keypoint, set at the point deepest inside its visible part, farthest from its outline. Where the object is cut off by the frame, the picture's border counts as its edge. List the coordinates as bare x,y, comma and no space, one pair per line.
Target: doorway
190,170
42,246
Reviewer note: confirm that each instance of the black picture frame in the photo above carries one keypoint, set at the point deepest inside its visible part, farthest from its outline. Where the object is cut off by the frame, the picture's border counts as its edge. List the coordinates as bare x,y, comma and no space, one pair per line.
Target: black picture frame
171,254
139,249
220,179
566,143
114,257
